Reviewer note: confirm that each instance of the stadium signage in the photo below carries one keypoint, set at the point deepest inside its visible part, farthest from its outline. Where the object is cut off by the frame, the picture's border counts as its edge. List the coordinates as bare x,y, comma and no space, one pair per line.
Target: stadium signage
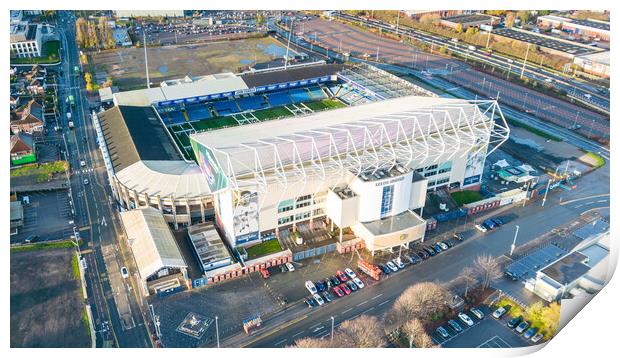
386,182
245,91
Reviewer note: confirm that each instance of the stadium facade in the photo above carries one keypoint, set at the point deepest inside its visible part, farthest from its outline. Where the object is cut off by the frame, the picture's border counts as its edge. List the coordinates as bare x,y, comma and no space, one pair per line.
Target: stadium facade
367,166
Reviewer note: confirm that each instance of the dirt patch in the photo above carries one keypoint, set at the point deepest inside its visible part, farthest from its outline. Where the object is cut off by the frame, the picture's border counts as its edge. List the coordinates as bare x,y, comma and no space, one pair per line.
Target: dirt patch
557,149
46,303
126,65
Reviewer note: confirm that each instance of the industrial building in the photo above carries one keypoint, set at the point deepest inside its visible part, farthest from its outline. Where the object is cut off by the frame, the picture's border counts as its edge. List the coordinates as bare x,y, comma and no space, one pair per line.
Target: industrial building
590,28
469,20
366,167
597,64
149,13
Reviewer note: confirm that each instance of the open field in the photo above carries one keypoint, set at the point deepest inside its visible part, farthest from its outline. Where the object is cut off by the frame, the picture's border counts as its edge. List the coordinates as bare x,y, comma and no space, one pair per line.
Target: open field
46,307
126,65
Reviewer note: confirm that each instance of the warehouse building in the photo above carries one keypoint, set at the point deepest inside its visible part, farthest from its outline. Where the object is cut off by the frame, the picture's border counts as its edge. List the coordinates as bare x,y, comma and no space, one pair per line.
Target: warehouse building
595,64
590,28
367,167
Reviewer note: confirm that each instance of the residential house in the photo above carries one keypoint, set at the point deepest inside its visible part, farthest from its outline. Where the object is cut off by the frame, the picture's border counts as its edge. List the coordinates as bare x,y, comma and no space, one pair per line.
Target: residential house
30,120
22,149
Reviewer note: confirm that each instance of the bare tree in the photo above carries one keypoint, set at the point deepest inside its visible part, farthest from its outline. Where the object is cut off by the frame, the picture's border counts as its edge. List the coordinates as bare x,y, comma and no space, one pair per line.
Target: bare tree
309,342
468,275
422,301
416,334
488,269
362,332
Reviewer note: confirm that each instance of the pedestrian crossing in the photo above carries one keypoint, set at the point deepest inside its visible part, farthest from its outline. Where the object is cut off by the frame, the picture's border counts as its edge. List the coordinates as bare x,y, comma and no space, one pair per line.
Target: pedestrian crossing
84,171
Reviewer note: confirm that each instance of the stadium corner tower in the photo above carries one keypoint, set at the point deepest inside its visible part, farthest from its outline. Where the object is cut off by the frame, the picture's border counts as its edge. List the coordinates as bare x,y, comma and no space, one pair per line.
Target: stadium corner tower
367,167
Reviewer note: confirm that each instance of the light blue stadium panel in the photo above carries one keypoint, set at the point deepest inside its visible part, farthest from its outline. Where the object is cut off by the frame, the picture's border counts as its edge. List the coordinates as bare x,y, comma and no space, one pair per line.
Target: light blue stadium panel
252,103
299,95
316,93
197,112
176,117
226,107
279,99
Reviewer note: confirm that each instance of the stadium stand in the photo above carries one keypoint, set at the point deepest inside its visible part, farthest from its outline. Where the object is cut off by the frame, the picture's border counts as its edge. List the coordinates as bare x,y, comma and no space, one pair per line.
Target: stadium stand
226,107
252,103
316,93
170,118
197,112
277,99
300,95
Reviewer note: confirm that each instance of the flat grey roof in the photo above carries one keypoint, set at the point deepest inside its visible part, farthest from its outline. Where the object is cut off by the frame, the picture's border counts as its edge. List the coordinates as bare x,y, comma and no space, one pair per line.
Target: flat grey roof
207,243
293,74
394,223
568,269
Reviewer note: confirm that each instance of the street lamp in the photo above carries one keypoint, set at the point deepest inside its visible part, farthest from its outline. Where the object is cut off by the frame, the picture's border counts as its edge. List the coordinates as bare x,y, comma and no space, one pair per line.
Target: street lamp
332,334
217,332
514,241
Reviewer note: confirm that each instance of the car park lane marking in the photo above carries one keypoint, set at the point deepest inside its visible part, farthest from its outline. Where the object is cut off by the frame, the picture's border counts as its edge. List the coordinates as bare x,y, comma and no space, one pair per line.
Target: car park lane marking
377,296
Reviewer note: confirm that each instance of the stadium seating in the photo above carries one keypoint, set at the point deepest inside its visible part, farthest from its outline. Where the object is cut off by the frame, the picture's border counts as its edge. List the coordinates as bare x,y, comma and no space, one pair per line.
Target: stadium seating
279,99
197,112
226,107
252,103
300,95
176,117
316,93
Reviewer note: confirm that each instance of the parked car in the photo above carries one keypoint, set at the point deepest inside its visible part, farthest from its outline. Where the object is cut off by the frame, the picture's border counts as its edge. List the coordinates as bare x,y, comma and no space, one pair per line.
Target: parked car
359,283
86,181
345,289
341,276
318,299
429,250
530,333
352,286
522,326
416,258
423,254
321,286
31,239
338,291
290,266
515,321
481,228
310,287
334,281
386,270
477,312
437,248
458,237
328,283
399,263
443,245
537,337
265,273
282,300
455,326
82,163
499,312
310,302
442,332
283,268
466,319
391,265
327,296
489,224
497,221
124,272
350,273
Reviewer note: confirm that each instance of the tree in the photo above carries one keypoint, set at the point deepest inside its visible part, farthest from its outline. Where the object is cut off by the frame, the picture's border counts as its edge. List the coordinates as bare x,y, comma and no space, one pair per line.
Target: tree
510,19
488,269
416,334
362,332
468,275
459,28
524,16
313,343
471,31
422,300
551,318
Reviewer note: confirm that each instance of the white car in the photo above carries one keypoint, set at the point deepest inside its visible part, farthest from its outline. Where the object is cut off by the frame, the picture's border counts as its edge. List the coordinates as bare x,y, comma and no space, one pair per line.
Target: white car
124,272
481,228
82,163
537,338
391,266
477,312
399,263
311,287
86,181
350,273
358,282
443,246
466,319
290,266
499,313
318,299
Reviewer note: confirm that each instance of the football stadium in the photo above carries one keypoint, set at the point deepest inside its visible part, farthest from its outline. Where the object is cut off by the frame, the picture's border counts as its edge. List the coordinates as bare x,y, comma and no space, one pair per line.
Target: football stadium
264,153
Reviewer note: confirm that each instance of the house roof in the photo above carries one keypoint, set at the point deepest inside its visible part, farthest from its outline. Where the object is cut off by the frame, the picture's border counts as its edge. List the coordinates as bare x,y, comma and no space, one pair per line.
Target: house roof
21,142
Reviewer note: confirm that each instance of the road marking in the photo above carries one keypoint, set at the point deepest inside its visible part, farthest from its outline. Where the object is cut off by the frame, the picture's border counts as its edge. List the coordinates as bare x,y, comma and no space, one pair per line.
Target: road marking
362,303
578,206
343,312
602,201
589,202
298,333
368,310
377,296
280,342
384,302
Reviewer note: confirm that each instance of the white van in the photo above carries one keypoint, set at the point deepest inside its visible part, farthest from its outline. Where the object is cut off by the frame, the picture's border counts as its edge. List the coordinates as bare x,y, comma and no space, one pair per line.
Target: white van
311,287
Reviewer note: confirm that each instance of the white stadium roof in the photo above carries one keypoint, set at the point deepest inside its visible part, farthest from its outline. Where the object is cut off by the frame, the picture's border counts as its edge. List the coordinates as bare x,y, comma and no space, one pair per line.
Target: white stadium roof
370,136
151,241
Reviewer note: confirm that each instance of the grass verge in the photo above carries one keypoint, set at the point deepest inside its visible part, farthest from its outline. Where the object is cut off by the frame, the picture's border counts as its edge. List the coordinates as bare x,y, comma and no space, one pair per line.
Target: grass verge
43,246
42,172
262,249
599,161
51,55
465,197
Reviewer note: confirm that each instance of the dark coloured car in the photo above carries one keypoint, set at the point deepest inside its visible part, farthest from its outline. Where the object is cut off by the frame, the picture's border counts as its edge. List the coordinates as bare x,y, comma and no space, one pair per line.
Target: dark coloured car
458,237
514,322
334,281
328,282
497,221
530,333
438,247
442,332
310,302
386,270
522,327
321,286
429,250
423,254
455,325
327,296
352,286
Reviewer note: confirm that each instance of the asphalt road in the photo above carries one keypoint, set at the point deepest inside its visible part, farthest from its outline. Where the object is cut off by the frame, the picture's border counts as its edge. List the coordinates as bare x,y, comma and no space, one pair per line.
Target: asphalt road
112,298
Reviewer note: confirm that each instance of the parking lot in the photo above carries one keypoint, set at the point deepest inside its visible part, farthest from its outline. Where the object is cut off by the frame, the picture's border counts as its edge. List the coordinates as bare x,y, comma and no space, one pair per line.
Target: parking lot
532,38
48,216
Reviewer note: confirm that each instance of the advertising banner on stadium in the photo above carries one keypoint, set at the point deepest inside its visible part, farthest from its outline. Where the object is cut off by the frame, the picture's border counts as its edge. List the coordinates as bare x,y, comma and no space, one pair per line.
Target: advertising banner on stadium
209,167
245,217
475,163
